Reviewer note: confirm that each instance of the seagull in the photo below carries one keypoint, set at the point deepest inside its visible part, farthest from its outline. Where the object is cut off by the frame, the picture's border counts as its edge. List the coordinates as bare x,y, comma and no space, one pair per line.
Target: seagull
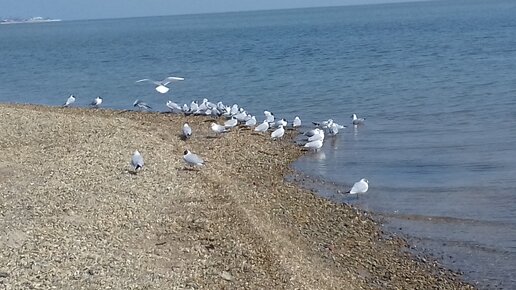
359,187
356,120
323,124
175,108
194,107
262,127
319,135
218,128
269,116
96,102
241,117
141,105
231,123
192,159
161,86
187,131
312,132
314,145
251,122
137,161
69,101
333,129
296,122
281,122
278,133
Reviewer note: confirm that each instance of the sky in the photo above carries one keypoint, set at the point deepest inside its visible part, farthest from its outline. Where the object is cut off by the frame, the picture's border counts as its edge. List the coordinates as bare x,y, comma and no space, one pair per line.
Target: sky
99,9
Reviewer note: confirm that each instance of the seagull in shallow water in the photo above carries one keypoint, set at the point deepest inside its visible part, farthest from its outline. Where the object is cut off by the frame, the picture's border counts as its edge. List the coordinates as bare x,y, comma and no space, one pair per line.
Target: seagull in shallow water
96,102
161,86
137,161
356,120
192,159
187,131
69,101
141,105
359,187
314,145
318,135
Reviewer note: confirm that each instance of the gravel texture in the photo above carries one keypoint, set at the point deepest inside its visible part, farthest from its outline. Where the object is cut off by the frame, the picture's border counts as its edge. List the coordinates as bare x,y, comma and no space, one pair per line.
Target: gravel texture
73,216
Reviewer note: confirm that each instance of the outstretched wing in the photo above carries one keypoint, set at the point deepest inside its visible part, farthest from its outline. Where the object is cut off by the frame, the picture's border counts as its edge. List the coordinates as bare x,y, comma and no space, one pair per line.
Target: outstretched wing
149,81
168,80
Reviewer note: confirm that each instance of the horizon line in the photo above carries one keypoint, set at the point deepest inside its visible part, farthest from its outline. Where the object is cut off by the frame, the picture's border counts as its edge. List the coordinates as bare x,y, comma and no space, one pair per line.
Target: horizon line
63,19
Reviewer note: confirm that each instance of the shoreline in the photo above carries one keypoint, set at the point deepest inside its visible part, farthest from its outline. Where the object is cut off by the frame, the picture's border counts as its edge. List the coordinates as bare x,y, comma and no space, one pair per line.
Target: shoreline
74,217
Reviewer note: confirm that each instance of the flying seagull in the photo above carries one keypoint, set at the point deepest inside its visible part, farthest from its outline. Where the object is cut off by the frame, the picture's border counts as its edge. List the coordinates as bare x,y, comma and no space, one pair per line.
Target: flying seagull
161,86
69,101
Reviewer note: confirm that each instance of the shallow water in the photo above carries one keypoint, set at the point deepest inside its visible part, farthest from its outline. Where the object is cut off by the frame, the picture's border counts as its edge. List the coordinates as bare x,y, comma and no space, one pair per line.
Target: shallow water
435,80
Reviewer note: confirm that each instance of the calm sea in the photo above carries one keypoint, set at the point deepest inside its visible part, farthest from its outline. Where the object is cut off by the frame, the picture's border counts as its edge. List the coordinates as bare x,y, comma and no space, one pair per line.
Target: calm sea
435,80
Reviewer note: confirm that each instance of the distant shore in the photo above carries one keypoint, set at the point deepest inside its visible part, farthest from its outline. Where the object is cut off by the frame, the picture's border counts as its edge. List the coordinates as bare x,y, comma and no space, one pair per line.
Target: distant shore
74,217
28,20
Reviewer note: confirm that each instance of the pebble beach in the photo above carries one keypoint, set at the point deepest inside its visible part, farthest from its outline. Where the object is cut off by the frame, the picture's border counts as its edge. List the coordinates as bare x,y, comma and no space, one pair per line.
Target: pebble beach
73,216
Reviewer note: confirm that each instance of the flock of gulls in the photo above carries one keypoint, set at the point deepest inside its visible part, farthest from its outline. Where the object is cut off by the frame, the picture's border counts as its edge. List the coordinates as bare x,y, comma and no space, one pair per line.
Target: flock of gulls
236,116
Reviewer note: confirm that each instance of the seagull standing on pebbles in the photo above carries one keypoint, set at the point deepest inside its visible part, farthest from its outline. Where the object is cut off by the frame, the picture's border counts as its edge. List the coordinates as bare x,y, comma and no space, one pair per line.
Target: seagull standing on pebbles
282,122
269,117
161,86
278,133
187,131
69,101
96,102
192,159
263,127
218,129
137,161
251,122
231,123
174,108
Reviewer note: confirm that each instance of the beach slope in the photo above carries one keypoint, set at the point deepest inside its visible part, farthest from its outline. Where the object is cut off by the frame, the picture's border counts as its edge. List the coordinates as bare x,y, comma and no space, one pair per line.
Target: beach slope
72,216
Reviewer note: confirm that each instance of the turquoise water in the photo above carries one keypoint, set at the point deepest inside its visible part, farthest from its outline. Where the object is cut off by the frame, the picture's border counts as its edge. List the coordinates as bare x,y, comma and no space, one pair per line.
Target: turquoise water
435,80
